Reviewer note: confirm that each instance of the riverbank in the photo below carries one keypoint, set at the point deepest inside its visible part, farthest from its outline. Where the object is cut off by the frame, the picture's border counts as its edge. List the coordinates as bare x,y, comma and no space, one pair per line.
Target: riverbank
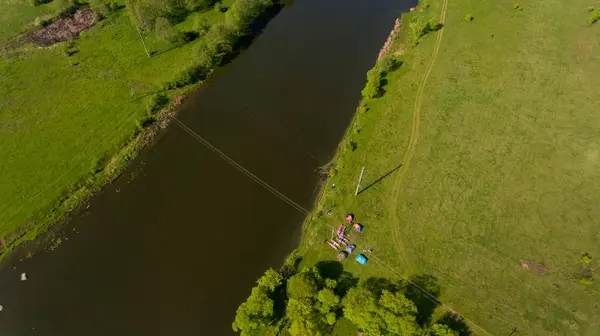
472,175
76,113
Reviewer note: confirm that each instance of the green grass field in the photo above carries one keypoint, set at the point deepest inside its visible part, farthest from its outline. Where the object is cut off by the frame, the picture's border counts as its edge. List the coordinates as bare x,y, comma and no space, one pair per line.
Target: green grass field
495,127
61,117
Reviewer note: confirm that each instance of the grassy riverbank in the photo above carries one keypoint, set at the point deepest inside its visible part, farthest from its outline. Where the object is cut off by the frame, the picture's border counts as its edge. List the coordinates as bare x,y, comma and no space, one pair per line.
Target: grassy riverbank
73,115
481,155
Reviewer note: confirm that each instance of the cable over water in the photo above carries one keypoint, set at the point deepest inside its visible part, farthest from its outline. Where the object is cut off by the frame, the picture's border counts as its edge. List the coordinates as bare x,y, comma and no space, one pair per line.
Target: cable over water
239,167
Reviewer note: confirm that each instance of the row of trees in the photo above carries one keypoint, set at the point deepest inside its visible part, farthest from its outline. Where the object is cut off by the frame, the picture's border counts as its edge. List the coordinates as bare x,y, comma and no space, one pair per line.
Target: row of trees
220,40
145,13
309,303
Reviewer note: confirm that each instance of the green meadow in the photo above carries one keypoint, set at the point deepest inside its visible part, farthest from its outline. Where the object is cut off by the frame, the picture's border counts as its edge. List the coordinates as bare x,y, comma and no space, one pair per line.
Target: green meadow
74,113
482,154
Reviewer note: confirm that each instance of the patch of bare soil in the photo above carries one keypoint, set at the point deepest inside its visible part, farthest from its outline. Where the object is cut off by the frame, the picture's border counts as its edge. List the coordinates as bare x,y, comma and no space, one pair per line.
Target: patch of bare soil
66,28
534,267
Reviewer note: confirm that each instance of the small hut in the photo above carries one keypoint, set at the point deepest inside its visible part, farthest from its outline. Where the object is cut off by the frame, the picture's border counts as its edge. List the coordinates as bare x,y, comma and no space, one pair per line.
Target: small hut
343,255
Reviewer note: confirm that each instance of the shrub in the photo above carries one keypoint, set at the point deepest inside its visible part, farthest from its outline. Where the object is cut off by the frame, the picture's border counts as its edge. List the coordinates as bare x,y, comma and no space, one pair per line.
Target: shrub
220,41
35,3
591,8
585,259
187,76
373,87
419,27
469,17
42,21
595,17
516,6
586,281
156,102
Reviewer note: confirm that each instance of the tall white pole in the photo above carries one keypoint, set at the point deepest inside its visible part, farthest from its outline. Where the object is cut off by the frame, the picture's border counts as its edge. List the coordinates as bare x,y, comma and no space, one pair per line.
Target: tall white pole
143,42
359,180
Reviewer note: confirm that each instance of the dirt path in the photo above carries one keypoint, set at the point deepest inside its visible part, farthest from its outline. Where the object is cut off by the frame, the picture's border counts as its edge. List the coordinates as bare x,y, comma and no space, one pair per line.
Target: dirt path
395,221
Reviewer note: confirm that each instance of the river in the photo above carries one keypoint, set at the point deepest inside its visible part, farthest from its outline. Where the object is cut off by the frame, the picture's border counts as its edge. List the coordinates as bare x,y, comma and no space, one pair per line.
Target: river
175,244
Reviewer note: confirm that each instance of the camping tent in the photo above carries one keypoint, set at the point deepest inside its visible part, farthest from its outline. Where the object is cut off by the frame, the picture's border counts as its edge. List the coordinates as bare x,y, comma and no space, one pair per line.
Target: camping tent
361,259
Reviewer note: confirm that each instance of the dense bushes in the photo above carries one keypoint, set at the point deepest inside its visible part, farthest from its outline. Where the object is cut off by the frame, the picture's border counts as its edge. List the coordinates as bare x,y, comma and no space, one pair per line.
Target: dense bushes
420,27
220,40
156,102
376,76
311,301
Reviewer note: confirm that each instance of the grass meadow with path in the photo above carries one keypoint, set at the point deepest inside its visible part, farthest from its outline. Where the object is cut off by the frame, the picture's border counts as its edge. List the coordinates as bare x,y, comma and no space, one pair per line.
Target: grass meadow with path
482,156
74,113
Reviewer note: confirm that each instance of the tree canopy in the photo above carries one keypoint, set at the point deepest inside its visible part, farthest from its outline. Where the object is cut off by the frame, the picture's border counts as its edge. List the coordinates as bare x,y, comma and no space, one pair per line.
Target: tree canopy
258,310
307,303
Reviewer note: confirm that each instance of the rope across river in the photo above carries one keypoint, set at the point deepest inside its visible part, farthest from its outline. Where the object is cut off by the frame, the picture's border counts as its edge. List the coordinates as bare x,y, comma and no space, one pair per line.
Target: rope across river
239,167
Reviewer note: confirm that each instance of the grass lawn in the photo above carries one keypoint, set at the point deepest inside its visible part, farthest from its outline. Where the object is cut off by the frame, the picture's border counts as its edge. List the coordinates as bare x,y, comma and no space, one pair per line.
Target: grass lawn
491,132
62,117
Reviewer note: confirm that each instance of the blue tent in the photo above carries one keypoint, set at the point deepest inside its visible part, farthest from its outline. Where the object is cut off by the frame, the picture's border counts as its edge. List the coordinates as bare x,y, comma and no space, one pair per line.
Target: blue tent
361,259
350,248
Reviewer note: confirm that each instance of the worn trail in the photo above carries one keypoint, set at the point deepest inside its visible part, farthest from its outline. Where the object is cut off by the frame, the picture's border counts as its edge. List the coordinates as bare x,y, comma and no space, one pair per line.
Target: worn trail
409,153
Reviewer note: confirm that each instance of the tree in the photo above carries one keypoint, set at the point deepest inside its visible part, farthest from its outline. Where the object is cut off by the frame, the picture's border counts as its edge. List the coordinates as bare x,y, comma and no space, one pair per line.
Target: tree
310,308
258,310
164,32
441,330
373,87
243,12
388,313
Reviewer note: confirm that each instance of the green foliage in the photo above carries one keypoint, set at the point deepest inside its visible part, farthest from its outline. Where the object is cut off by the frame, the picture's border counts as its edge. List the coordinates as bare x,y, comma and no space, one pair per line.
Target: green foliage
258,310
594,17
243,12
516,6
376,314
373,87
220,41
420,27
440,330
469,17
585,259
164,31
586,281
189,75
35,2
156,102
591,8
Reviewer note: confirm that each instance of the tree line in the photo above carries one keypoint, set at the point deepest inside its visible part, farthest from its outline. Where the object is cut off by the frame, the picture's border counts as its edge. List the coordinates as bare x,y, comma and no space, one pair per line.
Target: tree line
220,40
311,301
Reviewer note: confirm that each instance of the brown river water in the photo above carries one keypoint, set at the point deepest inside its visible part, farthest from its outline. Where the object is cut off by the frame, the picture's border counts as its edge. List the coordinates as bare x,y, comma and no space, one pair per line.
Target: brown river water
176,249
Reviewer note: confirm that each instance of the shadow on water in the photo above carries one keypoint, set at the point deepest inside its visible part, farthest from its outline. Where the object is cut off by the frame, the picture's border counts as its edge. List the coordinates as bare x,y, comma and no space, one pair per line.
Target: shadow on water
380,179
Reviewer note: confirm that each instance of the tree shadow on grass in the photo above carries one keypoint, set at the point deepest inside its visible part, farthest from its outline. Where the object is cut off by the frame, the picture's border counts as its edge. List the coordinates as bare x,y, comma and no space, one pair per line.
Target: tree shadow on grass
345,282
330,269
378,285
455,322
424,291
